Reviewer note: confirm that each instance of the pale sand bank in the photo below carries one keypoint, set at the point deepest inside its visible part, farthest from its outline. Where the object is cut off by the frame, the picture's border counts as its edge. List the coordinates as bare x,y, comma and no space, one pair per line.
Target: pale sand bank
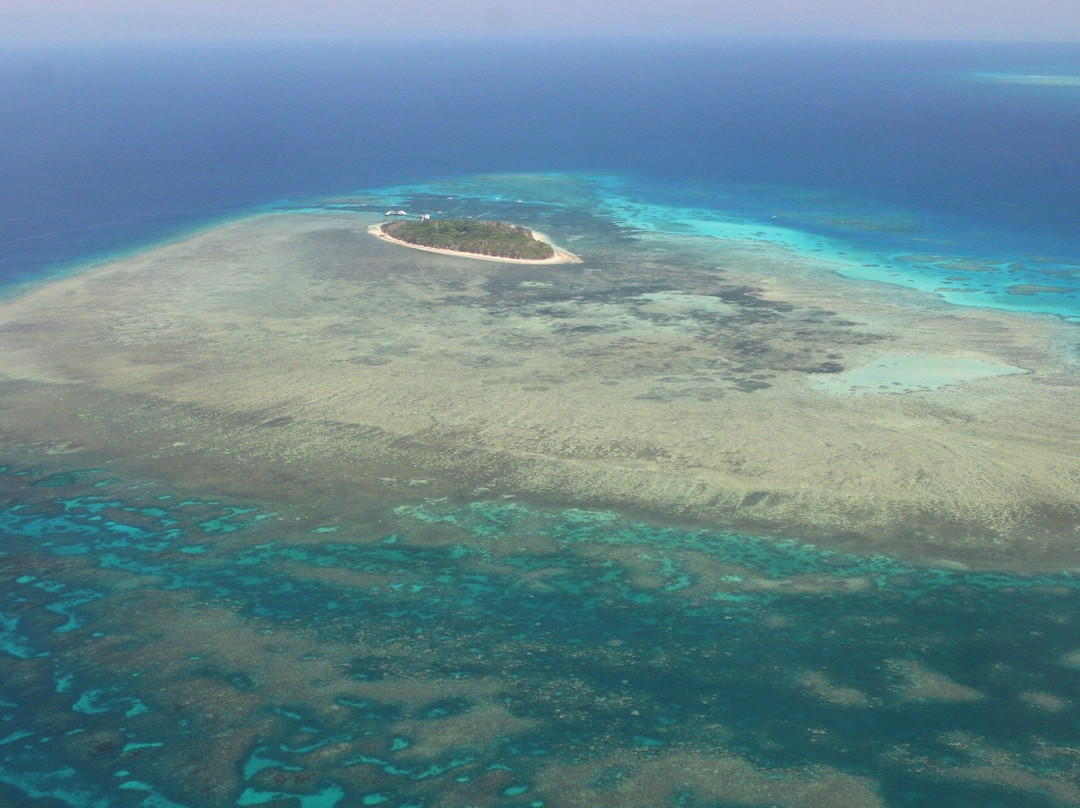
289,358
560,256
906,374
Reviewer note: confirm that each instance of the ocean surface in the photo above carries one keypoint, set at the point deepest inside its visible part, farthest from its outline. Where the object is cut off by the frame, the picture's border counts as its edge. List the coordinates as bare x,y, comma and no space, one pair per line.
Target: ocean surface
509,655
889,147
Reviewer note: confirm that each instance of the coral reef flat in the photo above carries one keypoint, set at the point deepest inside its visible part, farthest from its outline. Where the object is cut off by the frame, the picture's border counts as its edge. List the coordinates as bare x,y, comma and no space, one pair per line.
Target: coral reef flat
291,357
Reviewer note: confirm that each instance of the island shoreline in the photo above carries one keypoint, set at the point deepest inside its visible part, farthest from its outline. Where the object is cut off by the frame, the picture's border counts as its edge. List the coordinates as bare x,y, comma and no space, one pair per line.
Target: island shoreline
561,256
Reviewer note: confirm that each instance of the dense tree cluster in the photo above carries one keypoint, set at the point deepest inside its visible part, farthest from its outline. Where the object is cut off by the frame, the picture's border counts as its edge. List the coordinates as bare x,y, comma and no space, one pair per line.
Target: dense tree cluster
497,239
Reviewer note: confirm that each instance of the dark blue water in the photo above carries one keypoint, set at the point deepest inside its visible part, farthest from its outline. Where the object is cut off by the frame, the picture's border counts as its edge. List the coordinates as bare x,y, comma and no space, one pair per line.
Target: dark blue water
107,150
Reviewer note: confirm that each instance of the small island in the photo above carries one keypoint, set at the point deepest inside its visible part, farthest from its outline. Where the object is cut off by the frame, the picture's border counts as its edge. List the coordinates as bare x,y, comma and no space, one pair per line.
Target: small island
493,241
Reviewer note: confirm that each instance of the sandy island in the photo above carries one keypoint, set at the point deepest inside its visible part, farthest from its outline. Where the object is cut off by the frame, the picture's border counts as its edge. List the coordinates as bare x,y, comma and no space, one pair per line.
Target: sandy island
293,359
560,256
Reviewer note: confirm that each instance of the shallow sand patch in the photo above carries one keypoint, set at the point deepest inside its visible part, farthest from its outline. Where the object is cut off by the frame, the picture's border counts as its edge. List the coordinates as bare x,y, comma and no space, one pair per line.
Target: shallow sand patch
905,374
917,682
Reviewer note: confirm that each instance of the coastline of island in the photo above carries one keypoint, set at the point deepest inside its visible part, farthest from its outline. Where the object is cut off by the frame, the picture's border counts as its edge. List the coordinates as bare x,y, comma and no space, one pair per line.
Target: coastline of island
560,257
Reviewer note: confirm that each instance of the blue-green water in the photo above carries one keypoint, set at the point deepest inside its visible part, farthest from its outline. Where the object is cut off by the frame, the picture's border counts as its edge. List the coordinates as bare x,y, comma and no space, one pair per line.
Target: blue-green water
164,651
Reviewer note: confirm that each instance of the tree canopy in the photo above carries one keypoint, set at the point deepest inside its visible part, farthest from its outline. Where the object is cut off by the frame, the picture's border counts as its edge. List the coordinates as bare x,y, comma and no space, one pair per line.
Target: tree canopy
495,239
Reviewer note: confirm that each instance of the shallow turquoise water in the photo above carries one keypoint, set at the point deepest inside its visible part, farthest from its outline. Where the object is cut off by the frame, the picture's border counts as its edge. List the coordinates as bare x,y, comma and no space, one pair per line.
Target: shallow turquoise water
585,635
857,237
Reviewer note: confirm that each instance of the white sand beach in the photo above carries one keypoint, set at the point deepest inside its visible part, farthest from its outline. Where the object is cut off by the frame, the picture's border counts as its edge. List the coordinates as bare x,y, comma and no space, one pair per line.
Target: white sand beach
561,256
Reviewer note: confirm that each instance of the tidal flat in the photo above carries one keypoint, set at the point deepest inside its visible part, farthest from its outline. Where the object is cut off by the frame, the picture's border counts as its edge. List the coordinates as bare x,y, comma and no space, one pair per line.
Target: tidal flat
728,384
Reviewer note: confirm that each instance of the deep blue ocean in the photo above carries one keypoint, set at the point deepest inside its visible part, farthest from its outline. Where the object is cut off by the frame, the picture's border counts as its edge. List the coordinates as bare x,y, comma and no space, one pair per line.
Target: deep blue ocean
161,649
101,151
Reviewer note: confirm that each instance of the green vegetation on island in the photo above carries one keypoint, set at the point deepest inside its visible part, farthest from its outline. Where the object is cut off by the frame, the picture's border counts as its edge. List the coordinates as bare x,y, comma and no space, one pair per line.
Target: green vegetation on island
495,239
